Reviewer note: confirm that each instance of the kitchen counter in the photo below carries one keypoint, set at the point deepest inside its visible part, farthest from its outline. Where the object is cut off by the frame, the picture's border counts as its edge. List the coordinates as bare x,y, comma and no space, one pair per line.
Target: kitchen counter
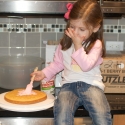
44,113
116,101
81,112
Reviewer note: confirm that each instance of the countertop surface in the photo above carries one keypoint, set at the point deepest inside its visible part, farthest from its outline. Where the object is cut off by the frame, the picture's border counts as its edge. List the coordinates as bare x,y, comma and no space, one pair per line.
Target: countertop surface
116,101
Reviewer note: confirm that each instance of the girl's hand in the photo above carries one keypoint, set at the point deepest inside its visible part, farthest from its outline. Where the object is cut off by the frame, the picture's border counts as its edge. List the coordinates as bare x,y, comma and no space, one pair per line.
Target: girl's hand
39,75
77,40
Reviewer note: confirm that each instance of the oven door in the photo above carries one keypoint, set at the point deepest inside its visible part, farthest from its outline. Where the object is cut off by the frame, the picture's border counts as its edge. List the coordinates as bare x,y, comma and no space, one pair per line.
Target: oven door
40,121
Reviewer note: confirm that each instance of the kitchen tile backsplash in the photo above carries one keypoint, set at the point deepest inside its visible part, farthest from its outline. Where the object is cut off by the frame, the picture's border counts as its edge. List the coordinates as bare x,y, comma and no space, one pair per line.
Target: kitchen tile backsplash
25,36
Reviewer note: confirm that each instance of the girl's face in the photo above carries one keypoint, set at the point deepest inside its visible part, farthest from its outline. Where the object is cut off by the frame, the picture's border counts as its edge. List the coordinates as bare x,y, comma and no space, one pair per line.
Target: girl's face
80,29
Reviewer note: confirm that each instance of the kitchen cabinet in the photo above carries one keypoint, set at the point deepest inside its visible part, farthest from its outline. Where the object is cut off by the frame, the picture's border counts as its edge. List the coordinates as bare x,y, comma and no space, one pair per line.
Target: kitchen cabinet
118,119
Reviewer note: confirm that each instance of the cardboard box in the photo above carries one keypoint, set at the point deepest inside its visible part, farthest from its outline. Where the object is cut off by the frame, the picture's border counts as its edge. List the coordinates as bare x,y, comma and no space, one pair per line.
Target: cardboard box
113,72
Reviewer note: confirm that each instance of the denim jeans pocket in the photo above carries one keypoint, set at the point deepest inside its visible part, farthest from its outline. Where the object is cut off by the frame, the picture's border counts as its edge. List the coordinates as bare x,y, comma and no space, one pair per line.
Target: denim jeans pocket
67,85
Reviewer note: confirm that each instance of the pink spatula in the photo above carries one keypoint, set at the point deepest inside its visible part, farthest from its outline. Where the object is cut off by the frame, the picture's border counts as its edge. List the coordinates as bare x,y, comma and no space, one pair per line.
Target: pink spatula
29,87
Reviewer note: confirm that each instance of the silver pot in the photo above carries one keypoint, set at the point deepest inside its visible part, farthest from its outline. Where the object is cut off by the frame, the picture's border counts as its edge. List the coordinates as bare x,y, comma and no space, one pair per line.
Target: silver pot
15,71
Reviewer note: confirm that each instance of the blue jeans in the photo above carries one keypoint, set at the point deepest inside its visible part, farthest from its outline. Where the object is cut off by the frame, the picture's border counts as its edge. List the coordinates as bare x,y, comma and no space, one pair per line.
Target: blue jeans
73,95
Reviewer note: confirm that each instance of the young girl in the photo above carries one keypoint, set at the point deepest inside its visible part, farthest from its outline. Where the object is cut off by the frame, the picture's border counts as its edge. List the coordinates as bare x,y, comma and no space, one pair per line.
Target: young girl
79,56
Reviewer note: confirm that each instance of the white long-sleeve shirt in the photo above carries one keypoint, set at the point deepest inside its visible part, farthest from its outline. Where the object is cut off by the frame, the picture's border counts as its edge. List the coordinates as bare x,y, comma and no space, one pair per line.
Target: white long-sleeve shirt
77,65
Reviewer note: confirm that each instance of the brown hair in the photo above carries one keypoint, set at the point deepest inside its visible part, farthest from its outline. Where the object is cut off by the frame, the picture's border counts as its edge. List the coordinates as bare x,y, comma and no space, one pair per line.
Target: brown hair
90,12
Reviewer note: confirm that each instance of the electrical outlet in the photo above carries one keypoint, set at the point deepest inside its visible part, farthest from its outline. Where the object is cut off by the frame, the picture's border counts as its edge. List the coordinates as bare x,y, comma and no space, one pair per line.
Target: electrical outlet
44,41
114,45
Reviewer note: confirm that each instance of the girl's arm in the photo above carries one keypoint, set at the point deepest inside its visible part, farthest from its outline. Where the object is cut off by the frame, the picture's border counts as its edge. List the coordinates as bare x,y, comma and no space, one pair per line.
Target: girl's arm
90,60
56,66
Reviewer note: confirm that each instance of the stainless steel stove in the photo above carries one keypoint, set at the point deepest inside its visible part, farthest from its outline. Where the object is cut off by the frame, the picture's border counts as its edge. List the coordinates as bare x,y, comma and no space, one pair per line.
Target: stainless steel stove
45,117
116,100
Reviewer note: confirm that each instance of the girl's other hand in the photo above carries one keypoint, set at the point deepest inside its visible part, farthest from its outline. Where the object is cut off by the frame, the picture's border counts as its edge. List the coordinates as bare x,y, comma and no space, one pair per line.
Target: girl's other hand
77,40
39,75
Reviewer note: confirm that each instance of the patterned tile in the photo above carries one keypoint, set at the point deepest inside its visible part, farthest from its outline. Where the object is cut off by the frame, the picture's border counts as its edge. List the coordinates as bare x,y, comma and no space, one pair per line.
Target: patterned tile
56,28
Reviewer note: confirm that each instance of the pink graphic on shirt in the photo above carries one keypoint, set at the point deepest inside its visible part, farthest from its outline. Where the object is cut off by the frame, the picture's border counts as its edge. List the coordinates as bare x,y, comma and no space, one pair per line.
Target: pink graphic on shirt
75,66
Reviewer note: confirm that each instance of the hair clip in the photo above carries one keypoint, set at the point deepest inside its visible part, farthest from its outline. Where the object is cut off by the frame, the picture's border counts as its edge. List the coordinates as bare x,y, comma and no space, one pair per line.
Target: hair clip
69,7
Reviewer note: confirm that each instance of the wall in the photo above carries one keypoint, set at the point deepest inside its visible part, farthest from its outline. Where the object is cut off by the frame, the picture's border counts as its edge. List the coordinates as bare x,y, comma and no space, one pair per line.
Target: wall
25,36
